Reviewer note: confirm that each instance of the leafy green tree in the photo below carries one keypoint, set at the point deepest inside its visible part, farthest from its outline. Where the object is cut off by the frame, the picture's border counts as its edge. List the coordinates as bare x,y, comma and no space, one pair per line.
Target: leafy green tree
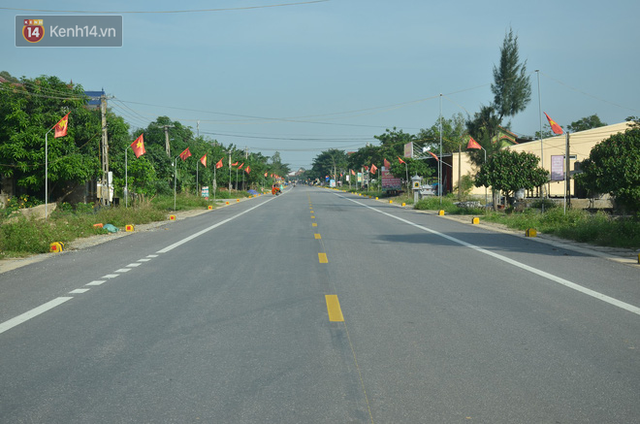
418,167
586,123
453,135
483,127
508,171
28,110
331,162
512,86
613,167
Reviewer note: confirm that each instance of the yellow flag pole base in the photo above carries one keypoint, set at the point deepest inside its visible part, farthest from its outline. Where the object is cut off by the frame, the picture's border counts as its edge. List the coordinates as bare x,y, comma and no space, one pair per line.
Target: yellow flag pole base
531,232
475,220
172,217
210,207
441,212
129,228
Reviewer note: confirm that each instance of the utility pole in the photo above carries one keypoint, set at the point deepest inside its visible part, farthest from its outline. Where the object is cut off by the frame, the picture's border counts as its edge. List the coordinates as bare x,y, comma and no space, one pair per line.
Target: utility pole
166,139
567,176
104,192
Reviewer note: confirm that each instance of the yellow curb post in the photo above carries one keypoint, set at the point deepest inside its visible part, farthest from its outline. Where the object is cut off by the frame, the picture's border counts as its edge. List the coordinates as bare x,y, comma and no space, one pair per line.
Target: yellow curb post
56,247
210,207
531,232
441,212
475,220
227,203
172,217
404,204
129,228
390,201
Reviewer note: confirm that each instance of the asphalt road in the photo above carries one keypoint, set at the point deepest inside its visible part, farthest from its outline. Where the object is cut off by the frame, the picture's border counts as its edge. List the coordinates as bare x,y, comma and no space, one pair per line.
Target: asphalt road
318,306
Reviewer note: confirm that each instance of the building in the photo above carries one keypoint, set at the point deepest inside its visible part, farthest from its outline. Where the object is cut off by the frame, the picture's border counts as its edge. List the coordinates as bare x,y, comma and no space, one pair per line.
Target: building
551,149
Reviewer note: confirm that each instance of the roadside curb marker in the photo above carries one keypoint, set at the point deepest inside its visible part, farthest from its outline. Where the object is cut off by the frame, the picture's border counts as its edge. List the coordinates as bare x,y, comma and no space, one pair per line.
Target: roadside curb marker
475,220
531,232
129,228
172,217
56,247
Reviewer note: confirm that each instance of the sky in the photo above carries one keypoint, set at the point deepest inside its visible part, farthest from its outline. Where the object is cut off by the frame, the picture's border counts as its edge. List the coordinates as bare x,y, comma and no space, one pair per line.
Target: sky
300,77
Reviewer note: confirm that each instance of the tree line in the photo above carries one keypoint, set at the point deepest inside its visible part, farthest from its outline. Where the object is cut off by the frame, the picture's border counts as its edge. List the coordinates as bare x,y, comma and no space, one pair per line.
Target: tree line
29,107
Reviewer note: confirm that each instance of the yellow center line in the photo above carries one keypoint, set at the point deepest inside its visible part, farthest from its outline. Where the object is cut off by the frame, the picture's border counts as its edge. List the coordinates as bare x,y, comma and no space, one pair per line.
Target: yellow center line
314,225
322,257
333,308
317,236
313,217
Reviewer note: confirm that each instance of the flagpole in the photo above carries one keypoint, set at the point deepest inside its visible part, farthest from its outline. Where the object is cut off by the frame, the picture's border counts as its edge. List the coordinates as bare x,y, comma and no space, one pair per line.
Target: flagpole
126,178
440,161
175,178
543,191
197,182
46,174
215,183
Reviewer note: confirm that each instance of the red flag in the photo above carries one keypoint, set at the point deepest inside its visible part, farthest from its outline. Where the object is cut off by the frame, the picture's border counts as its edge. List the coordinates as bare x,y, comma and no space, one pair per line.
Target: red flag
203,160
374,169
473,144
60,130
341,175
366,167
138,146
234,164
265,174
184,155
557,129
387,165
240,167
219,164
401,161
247,169
353,172
434,156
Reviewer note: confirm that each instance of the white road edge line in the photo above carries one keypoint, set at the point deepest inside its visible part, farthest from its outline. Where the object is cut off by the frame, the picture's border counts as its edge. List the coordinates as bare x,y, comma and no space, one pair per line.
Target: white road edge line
597,295
7,325
206,230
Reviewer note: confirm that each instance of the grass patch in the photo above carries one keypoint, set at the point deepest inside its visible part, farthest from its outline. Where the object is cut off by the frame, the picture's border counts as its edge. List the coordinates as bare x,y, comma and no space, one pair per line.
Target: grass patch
20,237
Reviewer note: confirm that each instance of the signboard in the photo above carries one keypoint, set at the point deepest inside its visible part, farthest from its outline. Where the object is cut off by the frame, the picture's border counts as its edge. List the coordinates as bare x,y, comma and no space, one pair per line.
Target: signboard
332,183
389,182
408,150
557,167
205,191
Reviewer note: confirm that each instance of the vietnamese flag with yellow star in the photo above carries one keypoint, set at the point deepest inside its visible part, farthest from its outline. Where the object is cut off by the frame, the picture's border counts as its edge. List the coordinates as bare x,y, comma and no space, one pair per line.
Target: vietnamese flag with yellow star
185,154
557,129
203,160
60,130
138,146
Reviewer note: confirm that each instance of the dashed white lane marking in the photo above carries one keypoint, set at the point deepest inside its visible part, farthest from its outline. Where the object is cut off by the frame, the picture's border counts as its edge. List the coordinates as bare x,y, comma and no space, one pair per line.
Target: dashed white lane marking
133,265
79,291
152,256
110,276
144,260
96,282
123,270
7,325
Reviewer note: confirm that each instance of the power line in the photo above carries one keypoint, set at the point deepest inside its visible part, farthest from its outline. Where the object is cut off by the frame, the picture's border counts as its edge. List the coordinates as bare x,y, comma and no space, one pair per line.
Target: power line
266,6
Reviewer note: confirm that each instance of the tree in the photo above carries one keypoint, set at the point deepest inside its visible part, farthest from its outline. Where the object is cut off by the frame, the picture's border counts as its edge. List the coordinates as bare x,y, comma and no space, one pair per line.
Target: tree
28,110
330,162
414,167
613,167
510,171
482,128
453,134
512,86
586,123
